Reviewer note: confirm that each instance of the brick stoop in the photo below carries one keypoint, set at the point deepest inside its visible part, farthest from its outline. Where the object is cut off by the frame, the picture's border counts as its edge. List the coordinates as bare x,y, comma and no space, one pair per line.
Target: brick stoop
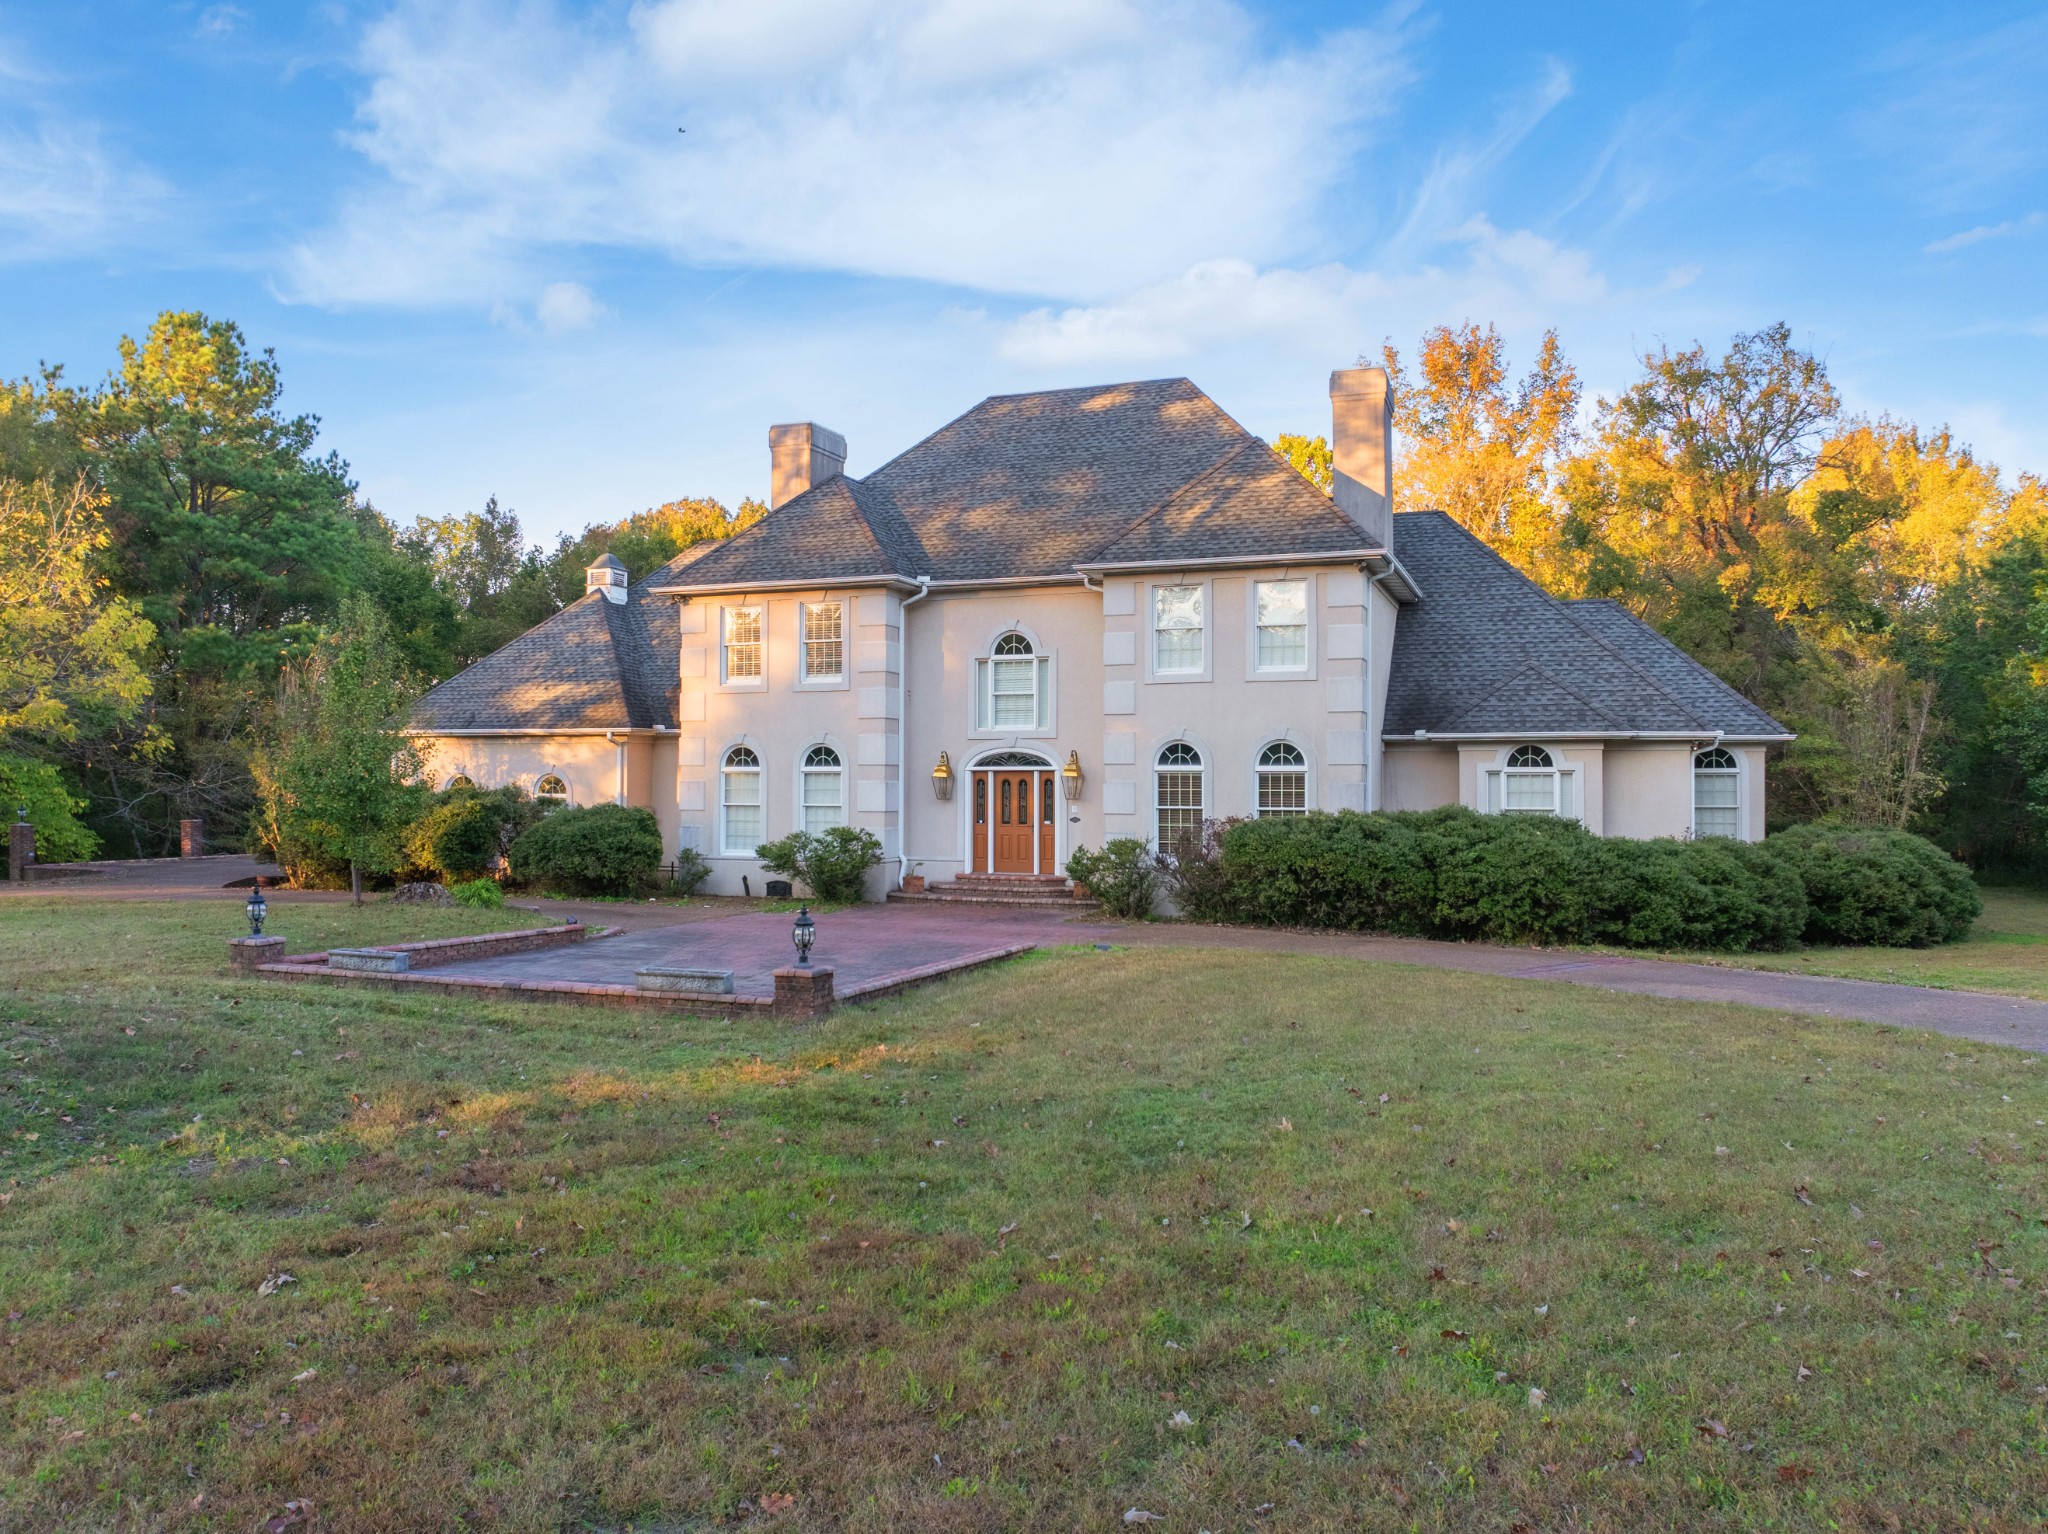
1041,890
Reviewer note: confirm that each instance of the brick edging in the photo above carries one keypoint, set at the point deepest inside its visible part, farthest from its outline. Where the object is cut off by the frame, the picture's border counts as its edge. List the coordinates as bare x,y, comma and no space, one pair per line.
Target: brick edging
430,952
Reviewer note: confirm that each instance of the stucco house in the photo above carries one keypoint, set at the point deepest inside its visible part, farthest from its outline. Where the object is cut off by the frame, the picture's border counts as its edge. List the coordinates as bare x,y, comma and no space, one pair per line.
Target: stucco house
1090,613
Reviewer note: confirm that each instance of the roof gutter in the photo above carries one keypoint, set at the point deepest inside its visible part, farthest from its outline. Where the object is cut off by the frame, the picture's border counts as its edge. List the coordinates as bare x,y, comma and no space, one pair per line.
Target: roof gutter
606,732
1394,737
903,583
1241,561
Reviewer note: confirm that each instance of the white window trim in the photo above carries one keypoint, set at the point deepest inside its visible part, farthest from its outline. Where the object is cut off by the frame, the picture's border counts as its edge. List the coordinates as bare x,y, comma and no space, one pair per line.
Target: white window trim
804,681
1564,775
981,700
1313,635
568,793
1148,634
1206,772
745,683
1307,770
1735,773
804,772
725,775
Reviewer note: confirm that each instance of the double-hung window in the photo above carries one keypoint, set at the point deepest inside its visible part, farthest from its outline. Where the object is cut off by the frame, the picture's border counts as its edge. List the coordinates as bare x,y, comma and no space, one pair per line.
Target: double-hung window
824,790
1716,793
1280,611
742,647
740,802
824,641
1178,800
1013,688
1177,631
1283,780
1529,783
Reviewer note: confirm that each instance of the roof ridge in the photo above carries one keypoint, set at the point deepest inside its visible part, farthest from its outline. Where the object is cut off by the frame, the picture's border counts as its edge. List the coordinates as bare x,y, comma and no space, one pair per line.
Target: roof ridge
900,532
1718,680
989,399
1184,488
1543,671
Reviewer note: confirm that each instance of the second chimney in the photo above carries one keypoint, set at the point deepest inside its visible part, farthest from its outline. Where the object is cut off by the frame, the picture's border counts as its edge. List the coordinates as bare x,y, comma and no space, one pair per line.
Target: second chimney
801,456
1362,449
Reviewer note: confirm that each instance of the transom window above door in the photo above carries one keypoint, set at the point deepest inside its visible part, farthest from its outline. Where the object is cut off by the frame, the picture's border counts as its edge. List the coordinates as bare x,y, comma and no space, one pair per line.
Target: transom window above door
1013,688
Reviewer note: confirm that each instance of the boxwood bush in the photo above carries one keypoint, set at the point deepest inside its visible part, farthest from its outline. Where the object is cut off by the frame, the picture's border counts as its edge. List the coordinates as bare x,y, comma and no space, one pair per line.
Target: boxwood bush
605,849
832,863
1883,887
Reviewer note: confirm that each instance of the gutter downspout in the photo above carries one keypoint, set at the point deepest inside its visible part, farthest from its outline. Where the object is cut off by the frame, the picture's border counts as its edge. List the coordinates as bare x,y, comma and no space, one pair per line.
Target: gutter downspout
924,589
618,793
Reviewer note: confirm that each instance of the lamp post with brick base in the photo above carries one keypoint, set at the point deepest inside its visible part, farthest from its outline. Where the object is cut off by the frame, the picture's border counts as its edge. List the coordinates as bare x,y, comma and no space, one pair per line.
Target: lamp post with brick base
245,954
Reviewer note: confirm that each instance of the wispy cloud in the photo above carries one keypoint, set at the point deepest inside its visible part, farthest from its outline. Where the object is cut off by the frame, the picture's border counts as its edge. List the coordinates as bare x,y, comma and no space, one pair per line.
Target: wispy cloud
1982,232
1068,148
1964,116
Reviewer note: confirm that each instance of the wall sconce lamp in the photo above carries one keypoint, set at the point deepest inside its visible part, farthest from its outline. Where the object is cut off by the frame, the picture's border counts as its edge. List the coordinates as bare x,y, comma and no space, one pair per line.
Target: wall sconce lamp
942,778
1070,777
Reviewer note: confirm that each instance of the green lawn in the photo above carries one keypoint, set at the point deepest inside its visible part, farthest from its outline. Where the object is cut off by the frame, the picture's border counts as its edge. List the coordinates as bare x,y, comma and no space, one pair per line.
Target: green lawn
2007,951
1248,1241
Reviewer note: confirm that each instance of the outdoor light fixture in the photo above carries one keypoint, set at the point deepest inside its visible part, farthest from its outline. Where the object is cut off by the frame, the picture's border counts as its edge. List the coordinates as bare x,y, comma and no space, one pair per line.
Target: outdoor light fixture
258,909
1070,777
942,777
805,932
22,813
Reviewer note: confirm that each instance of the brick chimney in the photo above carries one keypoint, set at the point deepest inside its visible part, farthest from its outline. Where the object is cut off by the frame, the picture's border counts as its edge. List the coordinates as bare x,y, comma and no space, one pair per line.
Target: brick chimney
1362,449
801,456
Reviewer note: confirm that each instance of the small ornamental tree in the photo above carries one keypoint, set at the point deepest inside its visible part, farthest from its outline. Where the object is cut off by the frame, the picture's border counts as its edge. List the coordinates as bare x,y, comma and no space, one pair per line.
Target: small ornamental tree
340,769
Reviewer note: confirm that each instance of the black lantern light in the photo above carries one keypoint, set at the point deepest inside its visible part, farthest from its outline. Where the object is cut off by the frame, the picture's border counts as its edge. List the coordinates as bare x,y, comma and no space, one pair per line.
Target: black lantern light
22,814
258,909
805,933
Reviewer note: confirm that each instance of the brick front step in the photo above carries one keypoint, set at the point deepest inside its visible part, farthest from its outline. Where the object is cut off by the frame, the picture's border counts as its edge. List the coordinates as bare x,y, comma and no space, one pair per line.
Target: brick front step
1007,881
947,895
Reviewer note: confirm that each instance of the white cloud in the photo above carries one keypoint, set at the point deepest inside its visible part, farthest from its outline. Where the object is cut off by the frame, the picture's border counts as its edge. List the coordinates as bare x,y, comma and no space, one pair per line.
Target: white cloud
62,192
1967,237
220,20
566,306
1516,279
1067,148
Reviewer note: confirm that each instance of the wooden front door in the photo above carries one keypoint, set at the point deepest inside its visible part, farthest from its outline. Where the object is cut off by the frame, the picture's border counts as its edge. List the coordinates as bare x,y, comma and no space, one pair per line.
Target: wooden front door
1012,823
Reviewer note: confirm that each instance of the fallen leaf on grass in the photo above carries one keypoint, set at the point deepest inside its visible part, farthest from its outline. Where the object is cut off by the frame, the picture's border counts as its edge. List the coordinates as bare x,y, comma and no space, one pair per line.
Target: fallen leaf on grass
275,1282
1537,1396
295,1513
1180,1419
1792,1472
1802,1195
305,1374
1635,1455
1803,1374
1139,1515
1450,1335
1711,1428
773,1502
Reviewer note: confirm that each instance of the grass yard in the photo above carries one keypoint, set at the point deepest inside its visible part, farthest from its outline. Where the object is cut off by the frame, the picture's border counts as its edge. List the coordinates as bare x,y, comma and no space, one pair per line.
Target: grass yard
1245,1241
2007,951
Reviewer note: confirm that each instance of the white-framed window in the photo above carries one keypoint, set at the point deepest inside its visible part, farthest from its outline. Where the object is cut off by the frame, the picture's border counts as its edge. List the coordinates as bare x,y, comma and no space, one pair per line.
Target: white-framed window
822,792
740,827
1530,782
1716,793
824,639
1280,624
551,790
1177,798
461,780
742,653
1013,688
1179,631
1283,780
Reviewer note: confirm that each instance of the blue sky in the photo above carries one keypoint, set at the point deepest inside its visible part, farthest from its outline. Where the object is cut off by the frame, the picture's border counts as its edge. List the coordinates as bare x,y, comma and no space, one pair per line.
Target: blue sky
487,259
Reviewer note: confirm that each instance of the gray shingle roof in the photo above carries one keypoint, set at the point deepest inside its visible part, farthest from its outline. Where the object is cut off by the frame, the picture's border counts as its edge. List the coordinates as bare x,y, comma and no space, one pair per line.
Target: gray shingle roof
1488,652
1035,484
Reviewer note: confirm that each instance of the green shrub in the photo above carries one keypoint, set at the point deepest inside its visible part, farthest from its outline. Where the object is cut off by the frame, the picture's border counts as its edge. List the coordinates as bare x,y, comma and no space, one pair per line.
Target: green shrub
1882,887
463,831
605,849
834,863
1124,875
51,809
690,871
1451,873
484,894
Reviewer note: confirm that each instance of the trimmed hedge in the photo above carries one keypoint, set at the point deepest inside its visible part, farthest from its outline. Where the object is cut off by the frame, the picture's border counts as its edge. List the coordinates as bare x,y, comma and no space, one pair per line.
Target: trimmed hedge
1881,887
605,849
833,863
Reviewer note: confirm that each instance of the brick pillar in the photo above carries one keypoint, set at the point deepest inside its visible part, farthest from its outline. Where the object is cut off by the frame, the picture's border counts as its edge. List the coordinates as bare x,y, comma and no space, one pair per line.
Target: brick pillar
245,953
802,995
191,838
21,849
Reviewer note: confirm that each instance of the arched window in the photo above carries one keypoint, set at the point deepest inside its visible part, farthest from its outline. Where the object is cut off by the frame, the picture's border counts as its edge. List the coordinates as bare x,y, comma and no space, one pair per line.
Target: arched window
741,806
1283,780
1178,799
1530,784
461,780
551,790
1716,793
824,790
1013,687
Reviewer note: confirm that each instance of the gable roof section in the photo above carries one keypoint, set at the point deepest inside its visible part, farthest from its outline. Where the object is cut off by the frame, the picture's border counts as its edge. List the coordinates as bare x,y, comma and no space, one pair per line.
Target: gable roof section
1491,653
1030,486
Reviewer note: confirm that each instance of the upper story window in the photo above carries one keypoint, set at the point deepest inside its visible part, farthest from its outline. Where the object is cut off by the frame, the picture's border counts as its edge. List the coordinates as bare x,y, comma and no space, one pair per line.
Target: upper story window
1529,784
824,790
1716,793
1013,688
741,830
1178,799
742,646
824,641
1283,780
1280,610
1177,629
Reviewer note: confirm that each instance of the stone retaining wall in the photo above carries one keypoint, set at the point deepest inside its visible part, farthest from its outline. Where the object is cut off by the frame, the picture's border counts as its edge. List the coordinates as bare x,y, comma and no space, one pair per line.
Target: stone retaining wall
487,945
